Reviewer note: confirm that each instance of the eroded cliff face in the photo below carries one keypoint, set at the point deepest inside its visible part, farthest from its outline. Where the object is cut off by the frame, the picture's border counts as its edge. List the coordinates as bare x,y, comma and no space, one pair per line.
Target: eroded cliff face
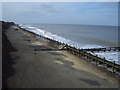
6,25
7,61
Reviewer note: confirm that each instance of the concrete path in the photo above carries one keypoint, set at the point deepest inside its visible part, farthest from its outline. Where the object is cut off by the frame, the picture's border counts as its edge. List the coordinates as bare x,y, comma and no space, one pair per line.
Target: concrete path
52,69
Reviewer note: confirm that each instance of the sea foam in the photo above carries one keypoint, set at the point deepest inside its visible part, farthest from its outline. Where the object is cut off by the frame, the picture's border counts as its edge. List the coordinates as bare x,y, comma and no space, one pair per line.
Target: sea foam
111,56
57,37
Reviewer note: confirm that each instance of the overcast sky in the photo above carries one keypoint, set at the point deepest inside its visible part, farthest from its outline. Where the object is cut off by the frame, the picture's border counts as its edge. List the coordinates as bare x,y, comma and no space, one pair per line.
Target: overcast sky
88,13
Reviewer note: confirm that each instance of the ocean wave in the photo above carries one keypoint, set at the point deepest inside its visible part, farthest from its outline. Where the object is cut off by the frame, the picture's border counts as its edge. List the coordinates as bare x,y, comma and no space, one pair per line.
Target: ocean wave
111,56
57,37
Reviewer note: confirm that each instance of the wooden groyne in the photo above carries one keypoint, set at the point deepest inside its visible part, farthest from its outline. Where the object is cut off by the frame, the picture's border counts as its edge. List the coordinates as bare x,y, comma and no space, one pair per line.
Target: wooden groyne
112,66
82,53
92,58
103,49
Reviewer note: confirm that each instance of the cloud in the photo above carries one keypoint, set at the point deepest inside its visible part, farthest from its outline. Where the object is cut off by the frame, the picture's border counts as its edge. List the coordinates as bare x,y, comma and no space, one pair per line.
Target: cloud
0,11
59,0
62,12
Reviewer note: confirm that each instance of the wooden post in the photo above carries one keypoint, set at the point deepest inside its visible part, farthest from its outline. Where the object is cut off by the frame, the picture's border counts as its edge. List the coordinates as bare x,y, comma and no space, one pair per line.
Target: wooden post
67,48
58,44
114,49
96,59
82,54
110,48
73,50
105,50
113,67
89,57
70,49
104,62
79,52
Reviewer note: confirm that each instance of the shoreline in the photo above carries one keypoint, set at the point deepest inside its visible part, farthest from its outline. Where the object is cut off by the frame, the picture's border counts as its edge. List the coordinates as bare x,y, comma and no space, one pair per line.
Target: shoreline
61,57
99,61
75,52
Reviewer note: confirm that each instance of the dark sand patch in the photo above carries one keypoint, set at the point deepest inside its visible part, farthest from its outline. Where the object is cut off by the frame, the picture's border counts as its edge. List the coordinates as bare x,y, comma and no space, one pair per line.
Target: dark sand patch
90,82
55,53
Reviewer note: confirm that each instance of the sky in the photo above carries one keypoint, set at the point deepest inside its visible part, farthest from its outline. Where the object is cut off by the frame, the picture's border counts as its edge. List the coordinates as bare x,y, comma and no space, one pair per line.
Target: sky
85,13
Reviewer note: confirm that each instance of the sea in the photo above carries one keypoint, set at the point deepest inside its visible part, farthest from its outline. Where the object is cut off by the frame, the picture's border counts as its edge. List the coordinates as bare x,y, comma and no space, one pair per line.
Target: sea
81,36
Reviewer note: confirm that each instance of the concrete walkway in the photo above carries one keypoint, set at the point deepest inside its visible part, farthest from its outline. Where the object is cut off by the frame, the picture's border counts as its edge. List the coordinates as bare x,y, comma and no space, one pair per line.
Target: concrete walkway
52,69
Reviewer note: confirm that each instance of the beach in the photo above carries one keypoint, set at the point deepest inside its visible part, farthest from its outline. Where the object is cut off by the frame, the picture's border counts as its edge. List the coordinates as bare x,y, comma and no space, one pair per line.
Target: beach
50,69
81,37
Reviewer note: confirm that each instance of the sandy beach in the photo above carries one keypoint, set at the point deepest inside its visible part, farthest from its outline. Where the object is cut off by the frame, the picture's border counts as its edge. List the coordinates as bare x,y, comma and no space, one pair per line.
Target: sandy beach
51,69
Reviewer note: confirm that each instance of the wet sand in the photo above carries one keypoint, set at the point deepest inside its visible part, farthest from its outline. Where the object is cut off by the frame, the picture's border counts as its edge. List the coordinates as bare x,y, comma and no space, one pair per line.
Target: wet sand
51,69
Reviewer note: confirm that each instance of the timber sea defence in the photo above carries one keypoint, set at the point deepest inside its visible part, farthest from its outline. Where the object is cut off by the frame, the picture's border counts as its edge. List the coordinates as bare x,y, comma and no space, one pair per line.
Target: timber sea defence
85,53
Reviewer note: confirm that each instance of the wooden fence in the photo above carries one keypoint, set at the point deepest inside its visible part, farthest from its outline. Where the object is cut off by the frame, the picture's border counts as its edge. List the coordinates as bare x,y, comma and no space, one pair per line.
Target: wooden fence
103,49
105,63
90,57
93,58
